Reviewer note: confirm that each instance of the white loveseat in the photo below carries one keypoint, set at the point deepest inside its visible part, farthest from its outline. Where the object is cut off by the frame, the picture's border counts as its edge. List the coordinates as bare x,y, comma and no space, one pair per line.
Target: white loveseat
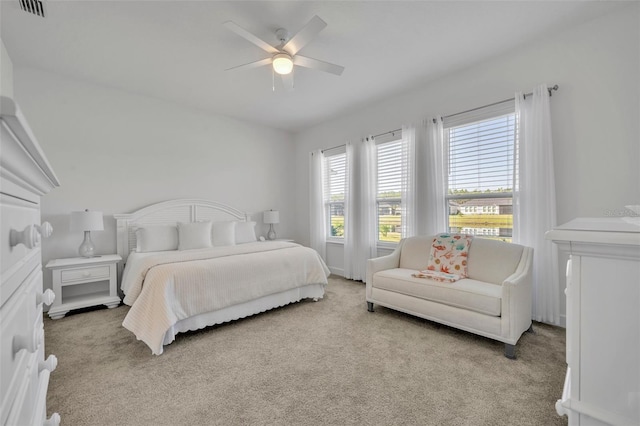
494,301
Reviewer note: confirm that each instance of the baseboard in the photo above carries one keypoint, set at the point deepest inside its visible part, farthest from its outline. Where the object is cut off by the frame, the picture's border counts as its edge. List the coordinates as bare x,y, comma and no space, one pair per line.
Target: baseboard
337,271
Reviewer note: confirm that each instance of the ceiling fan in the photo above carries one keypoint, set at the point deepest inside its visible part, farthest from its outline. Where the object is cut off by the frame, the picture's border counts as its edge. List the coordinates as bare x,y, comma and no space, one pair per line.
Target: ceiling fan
284,56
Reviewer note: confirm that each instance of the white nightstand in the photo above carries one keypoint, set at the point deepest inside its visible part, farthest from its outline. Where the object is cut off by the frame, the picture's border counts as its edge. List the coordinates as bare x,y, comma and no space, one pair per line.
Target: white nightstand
80,282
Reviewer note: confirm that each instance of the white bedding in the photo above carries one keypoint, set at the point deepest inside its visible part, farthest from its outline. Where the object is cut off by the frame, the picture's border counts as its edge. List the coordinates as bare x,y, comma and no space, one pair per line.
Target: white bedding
165,288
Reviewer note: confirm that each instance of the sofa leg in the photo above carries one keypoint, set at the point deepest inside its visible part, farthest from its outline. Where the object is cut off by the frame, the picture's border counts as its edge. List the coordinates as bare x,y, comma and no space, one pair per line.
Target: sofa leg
530,329
510,351
370,306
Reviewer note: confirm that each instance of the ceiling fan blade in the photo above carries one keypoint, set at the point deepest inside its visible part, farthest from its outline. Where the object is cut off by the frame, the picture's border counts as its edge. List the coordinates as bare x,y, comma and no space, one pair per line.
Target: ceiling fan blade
250,37
304,36
316,64
256,64
287,81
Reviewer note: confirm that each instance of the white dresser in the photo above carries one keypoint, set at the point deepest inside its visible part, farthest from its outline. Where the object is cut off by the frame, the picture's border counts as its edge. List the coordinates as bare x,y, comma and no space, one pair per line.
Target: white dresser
25,175
602,385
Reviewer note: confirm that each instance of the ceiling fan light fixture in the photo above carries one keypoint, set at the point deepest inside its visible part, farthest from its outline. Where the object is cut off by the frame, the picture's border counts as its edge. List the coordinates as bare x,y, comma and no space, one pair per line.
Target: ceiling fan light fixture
282,63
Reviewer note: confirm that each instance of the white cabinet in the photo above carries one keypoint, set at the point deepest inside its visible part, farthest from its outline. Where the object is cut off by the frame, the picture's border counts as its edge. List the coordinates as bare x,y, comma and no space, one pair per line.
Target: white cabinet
81,282
25,175
602,386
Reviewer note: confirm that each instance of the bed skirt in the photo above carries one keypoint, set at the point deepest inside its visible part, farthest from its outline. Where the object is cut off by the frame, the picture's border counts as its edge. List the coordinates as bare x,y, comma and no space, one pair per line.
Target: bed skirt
242,310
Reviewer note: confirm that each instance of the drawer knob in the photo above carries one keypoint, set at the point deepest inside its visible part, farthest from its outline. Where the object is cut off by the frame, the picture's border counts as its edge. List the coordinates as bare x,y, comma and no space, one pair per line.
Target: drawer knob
48,364
29,236
47,297
21,341
86,274
54,420
45,230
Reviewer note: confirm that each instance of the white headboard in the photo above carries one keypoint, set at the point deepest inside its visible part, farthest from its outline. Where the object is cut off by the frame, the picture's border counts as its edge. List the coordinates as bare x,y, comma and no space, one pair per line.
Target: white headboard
169,213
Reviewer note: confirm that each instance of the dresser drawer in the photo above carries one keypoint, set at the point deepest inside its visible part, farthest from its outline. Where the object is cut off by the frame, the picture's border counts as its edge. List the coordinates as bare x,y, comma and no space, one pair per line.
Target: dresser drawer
22,410
16,214
21,335
92,273
27,398
13,365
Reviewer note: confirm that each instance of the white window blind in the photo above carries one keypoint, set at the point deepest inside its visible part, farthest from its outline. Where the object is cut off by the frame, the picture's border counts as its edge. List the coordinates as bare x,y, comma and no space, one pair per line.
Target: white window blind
389,187
335,173
389,169
334,191
481,155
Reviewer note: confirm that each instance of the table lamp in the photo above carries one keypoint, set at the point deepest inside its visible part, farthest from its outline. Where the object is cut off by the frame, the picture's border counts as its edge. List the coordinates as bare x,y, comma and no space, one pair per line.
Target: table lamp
87,221
271,217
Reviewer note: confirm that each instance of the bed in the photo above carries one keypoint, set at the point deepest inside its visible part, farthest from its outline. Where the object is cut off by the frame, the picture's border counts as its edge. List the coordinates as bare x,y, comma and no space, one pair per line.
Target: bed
190,264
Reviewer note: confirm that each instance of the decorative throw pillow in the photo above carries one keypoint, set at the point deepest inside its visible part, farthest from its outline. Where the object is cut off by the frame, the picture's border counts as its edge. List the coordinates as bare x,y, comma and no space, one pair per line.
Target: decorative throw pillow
223,233
194,235
449,254
245,232
156,238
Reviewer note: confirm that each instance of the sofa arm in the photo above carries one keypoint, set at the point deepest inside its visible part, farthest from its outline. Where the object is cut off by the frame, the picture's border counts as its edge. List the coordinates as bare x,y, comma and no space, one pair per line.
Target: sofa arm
517,299
523,271
383,263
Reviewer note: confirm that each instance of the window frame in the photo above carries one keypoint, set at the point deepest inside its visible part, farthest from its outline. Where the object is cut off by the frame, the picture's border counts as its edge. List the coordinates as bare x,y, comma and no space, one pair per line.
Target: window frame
328,203
476,116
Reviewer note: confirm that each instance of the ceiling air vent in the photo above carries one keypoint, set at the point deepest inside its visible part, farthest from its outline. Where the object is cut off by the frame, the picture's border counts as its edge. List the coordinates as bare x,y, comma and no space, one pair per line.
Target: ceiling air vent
35,7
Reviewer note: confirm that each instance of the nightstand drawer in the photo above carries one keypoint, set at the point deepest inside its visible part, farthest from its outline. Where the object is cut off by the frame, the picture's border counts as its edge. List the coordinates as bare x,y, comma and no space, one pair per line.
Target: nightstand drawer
81,274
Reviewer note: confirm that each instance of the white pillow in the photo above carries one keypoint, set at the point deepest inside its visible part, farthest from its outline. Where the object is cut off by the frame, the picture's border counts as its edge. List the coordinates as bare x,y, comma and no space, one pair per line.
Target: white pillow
156,238
194,235
245,232
224,234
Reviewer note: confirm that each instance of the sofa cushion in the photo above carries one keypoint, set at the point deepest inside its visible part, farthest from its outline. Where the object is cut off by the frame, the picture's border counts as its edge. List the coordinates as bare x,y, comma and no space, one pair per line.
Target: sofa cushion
490,261
415,252
493,261
467,293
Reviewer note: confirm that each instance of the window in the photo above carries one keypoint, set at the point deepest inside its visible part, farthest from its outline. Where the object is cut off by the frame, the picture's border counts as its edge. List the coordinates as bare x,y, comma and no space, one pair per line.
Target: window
334,191
481,172
389,187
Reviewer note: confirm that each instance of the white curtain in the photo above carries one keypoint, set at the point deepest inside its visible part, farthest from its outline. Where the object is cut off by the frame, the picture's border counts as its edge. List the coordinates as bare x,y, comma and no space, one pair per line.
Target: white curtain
352,264
360,209
317,219
369,217
436,217
408,182
534,200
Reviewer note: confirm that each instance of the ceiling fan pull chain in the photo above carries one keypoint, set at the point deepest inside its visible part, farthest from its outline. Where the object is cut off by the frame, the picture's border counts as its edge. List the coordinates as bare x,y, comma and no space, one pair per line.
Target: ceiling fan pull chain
273,80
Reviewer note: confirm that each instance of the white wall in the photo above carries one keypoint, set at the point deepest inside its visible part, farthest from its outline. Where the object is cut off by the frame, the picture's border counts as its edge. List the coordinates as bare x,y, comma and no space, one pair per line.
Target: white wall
6,72
595,114
117,152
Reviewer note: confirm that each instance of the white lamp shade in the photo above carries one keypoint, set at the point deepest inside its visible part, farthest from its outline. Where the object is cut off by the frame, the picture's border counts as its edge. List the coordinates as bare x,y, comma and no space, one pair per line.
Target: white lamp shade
282,63
87,221
271,216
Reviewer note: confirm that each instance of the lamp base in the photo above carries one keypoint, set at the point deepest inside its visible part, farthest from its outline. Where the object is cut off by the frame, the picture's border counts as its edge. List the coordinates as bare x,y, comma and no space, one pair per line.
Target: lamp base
87,249
271,235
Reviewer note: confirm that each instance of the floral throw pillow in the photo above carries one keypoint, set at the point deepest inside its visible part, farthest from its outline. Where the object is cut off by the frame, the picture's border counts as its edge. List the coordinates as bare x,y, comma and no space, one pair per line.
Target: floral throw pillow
449,254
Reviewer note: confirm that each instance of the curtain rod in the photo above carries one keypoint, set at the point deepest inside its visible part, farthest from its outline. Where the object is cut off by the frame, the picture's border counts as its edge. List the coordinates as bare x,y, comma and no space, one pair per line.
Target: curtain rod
373,137
333,147
386,133
549,89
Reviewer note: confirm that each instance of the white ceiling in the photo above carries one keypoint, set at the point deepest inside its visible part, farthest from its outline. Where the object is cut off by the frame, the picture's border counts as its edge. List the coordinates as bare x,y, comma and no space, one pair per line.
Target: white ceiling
178,50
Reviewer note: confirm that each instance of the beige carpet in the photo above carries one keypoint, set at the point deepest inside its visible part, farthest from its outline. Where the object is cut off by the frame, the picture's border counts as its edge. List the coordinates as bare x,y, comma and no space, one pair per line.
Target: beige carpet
325,363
